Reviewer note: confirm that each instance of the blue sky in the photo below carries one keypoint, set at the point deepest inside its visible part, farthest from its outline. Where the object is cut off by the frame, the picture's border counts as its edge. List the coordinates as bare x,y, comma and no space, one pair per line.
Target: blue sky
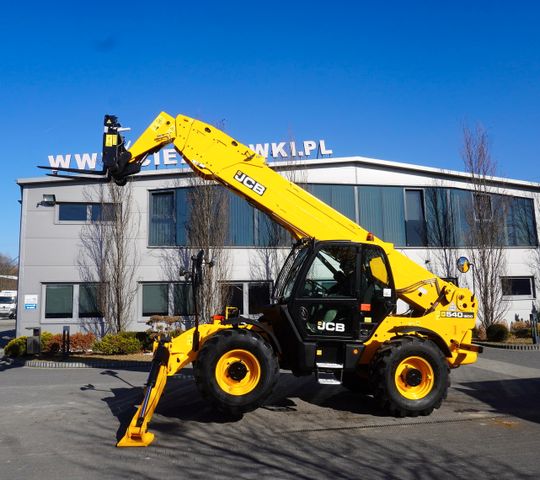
390,80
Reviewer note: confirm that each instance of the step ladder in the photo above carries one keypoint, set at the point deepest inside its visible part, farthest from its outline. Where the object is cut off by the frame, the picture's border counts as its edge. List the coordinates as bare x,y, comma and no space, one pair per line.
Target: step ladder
329,373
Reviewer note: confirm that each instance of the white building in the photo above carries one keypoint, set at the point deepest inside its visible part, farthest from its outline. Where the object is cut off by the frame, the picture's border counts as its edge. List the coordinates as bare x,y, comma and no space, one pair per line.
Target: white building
388,198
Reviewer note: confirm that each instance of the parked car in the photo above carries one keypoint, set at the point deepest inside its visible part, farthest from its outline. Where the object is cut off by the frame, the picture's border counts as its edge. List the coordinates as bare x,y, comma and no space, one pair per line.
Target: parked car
8,303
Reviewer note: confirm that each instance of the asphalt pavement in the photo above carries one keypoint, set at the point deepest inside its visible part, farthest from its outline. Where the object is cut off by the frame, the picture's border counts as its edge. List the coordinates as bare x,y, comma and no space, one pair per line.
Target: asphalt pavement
64,423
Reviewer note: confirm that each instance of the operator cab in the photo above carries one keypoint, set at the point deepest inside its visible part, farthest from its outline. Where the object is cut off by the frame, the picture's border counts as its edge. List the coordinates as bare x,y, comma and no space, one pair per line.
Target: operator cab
336,289
331,293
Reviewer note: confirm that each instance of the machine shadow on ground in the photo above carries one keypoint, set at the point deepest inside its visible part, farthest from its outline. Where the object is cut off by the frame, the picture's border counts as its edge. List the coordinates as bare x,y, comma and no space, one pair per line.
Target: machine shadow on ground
256,448
181,400
515,397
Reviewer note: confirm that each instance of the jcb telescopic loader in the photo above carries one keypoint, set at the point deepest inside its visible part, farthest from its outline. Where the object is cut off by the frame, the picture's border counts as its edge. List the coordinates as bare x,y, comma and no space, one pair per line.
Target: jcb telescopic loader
334,311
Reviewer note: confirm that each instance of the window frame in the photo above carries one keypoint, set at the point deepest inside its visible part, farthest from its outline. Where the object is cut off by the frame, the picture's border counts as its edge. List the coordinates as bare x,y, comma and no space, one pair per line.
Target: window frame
75,306
475,200
74,300
162,191
89,213
406,219
512,297
170,300
96,313
172,293
245,311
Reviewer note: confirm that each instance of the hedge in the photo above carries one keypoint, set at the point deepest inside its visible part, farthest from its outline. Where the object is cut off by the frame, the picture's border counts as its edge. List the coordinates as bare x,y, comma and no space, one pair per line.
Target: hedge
118,344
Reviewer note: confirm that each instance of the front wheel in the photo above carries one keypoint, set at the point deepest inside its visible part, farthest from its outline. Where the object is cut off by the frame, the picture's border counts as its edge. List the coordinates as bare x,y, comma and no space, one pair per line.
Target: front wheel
236,370
410,376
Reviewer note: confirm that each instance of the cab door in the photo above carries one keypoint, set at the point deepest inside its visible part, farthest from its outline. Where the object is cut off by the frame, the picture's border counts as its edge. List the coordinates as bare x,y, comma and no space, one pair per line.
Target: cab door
377,296
325,303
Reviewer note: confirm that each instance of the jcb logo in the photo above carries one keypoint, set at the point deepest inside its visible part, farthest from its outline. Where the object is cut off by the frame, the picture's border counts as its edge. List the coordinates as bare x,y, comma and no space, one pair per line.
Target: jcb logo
457,315
331,327
249,183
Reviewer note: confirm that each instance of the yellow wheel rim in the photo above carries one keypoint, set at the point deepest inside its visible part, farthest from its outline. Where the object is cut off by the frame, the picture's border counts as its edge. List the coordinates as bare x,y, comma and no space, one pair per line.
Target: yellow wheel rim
238,372
414,378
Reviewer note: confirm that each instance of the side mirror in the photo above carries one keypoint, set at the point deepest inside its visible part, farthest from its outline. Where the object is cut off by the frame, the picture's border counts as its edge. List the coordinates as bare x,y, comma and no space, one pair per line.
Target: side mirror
463,264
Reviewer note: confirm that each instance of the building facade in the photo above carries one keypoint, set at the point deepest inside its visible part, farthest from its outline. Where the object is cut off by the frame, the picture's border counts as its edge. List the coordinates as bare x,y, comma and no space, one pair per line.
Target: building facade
425,212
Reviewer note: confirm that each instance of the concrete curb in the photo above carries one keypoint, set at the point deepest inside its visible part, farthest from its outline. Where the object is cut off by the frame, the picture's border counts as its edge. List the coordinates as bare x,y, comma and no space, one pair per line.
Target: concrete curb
123,364
141,365
509,346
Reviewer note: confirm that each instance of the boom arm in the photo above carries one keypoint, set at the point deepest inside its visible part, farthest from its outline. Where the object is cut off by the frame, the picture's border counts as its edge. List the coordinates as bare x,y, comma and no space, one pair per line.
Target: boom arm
214,155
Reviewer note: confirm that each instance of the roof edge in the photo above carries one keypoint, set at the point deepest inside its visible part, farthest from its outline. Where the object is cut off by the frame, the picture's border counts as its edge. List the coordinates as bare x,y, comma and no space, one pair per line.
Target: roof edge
354,160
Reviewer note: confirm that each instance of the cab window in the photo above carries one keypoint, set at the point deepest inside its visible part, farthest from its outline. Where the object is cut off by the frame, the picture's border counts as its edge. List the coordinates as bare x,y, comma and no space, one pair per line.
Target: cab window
332,273
376,288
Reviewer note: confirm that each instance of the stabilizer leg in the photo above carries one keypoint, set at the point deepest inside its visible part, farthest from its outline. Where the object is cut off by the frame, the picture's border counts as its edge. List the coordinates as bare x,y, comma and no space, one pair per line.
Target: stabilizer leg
137,434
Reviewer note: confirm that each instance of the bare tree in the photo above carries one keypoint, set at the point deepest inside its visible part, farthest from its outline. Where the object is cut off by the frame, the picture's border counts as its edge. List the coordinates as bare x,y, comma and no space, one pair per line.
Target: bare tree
108,257
8,269
208,229
274,240
441,229
176,263
270,253
486,229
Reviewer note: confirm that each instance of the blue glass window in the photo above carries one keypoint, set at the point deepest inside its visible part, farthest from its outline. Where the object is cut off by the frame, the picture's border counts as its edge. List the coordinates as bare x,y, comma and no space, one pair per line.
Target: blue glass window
271,233
183,299
439,219
340,197
415,220
241,222
59,301
520,224
72,212
382,212
461,208
102,212
162,219
88,300
155,299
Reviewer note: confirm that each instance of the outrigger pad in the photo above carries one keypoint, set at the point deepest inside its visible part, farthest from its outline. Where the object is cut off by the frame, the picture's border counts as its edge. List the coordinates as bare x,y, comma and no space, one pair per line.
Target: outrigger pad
135,440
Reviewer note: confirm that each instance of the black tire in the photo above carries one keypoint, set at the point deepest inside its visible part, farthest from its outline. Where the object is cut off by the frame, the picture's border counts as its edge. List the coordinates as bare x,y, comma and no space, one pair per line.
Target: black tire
236,370
410,377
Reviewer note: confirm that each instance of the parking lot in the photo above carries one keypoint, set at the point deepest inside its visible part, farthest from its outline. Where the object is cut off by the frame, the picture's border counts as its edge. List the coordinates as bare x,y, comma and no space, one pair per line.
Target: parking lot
63,423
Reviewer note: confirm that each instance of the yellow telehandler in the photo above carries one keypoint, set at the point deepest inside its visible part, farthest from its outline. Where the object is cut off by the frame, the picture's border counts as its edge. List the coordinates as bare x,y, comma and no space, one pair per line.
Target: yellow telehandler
334,311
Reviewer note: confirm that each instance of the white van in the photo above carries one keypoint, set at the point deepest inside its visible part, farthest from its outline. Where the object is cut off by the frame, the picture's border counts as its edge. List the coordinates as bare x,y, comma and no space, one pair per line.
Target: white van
8,303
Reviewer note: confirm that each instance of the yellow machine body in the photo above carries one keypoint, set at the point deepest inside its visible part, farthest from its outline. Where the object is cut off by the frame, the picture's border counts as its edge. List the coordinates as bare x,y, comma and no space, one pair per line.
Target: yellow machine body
444,313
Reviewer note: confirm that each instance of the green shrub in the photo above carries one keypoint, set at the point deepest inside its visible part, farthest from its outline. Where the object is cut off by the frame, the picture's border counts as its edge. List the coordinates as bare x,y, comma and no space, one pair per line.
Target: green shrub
498,332
117,344
16,347
45,339
146,340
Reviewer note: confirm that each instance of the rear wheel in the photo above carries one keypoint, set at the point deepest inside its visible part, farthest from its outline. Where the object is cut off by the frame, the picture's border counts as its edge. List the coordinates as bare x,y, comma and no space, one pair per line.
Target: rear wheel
236,370
410,376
